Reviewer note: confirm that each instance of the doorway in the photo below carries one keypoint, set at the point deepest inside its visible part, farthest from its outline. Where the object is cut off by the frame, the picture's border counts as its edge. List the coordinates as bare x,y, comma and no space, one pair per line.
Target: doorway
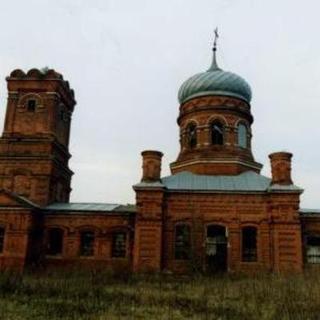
216,249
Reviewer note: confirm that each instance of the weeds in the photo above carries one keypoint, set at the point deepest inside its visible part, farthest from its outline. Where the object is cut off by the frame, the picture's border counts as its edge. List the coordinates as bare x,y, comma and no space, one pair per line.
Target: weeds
102,295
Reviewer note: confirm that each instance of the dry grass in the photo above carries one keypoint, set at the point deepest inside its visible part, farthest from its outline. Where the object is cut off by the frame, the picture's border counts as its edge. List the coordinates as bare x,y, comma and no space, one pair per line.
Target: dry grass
95,295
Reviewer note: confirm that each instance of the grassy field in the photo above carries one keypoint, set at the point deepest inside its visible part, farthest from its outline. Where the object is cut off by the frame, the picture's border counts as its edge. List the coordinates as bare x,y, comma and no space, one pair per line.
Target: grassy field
105,296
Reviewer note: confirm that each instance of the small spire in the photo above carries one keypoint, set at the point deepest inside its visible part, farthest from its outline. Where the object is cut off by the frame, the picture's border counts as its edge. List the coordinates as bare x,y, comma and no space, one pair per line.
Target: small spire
214,65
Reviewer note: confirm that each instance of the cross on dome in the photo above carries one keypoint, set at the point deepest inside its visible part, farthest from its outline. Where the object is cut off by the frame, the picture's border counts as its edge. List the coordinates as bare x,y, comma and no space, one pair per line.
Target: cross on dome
214,65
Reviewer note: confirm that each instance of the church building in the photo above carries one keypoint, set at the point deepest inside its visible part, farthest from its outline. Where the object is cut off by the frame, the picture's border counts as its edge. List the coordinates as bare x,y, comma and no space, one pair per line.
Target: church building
214,213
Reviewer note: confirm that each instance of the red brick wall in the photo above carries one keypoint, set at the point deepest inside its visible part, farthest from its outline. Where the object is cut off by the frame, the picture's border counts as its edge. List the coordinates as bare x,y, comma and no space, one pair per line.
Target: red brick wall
34,145
17,223
103,227
148,231
279,234
202,112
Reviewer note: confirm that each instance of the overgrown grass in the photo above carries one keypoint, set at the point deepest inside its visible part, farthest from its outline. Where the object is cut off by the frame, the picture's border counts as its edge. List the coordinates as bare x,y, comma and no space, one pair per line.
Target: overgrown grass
96,295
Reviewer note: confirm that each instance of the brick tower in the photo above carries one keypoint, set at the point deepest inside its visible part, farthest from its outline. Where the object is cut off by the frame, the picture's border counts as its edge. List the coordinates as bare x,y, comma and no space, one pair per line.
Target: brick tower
34,151
215,124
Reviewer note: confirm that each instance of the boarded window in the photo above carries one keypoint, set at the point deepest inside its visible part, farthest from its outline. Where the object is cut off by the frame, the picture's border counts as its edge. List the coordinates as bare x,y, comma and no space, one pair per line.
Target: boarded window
55,241
192,135
313,249
242,136
2,231
87,243
31,105
249,244
217,133
182,243
119,245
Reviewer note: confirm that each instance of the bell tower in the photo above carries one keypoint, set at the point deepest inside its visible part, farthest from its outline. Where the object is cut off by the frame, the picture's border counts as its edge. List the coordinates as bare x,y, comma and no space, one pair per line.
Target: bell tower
215,123
34,150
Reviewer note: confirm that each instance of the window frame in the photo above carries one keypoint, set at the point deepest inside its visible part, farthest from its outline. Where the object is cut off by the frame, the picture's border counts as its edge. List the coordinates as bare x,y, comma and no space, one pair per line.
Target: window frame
244,138
32,108
312,258
114,244
246,255
182,252
222,134
54,252
90,251
192,142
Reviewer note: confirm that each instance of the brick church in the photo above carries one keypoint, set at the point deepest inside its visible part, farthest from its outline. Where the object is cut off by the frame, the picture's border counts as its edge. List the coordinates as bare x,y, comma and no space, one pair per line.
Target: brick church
214,213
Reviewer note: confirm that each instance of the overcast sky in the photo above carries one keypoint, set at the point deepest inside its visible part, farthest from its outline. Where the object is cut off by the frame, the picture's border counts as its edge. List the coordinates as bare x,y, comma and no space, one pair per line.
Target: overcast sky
126,59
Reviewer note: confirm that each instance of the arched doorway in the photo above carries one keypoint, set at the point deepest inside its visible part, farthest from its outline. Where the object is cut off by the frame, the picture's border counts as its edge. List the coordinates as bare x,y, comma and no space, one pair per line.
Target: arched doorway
216,248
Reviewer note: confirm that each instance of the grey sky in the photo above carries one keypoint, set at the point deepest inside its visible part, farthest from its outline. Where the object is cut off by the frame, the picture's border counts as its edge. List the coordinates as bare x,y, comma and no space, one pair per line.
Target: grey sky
127,58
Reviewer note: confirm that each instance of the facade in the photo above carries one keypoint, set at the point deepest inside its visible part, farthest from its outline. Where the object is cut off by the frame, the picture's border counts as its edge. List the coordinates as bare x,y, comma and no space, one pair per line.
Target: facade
214,213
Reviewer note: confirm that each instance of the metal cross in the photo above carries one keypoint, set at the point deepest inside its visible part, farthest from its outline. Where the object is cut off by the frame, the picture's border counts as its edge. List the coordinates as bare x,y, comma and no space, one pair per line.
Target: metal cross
216,36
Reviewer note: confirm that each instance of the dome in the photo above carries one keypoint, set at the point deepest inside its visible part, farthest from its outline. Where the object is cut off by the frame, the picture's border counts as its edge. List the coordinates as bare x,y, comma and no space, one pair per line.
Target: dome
215,82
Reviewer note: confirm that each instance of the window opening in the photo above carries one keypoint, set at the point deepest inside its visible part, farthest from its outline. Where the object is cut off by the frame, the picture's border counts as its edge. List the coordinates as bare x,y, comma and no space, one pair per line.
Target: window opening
31,105
182,242
313,249
192,136
119,245
217,133
249,244
242,136
87,243
216,248
55,241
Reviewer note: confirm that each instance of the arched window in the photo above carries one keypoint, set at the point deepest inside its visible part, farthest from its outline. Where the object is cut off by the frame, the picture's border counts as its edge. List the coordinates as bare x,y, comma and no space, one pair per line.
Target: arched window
313,249
87,243
192,135
118,245
2,232
55,241
217,133
249,244
242,136
182,243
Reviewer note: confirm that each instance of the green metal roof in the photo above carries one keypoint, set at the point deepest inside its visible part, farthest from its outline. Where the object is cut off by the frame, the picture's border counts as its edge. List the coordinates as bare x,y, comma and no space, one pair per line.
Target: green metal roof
104,208
310,213
248,181
215,81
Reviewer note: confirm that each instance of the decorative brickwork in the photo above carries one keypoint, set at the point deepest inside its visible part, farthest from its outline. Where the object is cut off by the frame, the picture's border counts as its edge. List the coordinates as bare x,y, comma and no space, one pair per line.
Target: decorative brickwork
211,157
